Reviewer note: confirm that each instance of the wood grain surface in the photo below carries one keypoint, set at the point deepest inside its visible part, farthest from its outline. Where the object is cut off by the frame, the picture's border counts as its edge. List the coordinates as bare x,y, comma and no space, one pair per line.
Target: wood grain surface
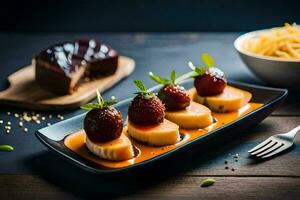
24,92
184,187
33,172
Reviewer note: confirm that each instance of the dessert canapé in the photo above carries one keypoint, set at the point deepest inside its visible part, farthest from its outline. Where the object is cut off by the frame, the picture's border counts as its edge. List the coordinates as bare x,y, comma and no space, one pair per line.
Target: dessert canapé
59,68
146,122
154,121
230,99
211,88
105,136
179,108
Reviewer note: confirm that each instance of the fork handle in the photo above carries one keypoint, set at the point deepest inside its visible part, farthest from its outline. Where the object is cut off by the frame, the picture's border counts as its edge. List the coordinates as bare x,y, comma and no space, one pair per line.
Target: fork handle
293,132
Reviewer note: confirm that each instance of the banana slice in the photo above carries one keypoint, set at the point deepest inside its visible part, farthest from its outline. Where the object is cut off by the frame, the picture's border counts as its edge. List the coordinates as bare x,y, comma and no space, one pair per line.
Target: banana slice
230,99
115,150
165,133
194,116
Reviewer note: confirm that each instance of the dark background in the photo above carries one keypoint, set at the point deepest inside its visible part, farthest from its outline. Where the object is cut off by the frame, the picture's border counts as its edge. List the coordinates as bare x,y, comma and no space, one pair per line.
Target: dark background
31,171
146,16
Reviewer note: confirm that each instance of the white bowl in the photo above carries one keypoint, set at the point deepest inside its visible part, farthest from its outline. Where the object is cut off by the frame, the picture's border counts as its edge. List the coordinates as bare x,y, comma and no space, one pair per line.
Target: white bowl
276,71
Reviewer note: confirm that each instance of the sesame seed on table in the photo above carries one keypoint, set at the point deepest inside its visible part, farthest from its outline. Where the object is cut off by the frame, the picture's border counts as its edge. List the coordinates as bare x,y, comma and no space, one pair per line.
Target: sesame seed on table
236,176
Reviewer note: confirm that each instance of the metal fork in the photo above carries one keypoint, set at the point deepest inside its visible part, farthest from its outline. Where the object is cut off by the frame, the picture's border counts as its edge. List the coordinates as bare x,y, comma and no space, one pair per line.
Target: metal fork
275,144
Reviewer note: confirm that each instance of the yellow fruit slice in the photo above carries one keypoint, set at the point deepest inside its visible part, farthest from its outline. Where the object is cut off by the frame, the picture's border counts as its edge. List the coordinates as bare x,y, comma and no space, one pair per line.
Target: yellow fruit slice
194,116
230,99
165,133
115,150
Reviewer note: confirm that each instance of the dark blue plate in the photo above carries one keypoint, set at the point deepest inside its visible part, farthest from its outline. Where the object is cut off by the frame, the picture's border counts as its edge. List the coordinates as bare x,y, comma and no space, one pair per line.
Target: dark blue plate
53,136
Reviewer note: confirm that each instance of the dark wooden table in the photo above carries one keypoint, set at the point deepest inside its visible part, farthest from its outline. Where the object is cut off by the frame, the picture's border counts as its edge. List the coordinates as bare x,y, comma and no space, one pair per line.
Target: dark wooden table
33,172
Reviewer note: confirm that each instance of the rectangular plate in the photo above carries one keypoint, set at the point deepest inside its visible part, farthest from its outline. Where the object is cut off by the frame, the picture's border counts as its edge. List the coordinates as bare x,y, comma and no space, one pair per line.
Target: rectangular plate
53,136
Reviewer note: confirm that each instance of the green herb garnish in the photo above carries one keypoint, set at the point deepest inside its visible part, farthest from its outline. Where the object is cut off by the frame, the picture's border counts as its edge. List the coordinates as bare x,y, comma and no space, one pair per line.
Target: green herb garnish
208,62
159,79
207,182
6,147
174,80
100,104
143,90
173,76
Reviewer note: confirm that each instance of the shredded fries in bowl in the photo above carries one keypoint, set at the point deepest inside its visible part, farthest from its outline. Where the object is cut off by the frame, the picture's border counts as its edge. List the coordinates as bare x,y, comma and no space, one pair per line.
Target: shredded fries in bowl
282,42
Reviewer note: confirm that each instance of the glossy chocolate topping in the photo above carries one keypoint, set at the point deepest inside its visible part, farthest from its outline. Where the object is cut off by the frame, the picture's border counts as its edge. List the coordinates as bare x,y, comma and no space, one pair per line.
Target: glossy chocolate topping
69,56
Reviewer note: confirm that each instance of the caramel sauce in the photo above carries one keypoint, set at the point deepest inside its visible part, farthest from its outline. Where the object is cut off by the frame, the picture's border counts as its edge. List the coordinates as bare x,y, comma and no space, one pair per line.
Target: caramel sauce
76,141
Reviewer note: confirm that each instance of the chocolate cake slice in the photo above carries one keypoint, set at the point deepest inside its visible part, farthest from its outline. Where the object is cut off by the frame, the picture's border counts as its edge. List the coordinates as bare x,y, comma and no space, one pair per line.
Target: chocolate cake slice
60,67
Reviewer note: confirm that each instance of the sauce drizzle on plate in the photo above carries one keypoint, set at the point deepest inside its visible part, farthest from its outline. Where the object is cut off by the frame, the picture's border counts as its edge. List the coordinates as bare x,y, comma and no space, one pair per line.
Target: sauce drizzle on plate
76,141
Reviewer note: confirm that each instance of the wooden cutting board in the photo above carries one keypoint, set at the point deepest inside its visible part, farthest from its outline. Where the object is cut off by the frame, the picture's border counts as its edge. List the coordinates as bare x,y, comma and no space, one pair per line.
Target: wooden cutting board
23,92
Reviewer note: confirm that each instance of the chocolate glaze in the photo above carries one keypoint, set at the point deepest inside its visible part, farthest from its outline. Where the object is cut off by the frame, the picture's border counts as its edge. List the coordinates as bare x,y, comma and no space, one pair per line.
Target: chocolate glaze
69,56
59,68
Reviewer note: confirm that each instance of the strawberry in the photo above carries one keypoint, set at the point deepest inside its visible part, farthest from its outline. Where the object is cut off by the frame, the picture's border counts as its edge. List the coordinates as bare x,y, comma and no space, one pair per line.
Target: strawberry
145,108
208,81
212,82
174,97
103,122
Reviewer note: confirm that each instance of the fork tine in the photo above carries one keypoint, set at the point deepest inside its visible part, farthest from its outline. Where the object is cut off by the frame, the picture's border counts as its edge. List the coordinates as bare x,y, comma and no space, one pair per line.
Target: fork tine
262,144
273,148
282,148
264,148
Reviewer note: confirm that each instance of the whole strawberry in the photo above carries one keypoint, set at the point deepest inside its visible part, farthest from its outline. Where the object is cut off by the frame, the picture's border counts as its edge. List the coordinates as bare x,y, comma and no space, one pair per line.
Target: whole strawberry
103,122
145,108
172,95
210,81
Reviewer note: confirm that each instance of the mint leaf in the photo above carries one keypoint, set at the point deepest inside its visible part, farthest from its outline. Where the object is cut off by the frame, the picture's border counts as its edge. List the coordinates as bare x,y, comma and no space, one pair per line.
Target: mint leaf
200,70
143,89
173,76
100,104
208,60
140,85
6,147
90,106
148,95
109,103
185,76
100,99
158,79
